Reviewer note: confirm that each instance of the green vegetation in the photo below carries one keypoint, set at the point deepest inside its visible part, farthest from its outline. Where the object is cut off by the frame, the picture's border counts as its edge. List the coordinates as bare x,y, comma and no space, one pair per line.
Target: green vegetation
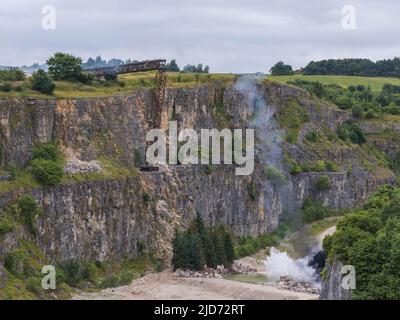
41,82
245,246
199,246
196,69
276,177
376,84
7,224
369,240
13,74
23,267
66,67
70,81
47,164
47,172
248,278
314,211
351,131
46,151
354,67
281,69
331,166
125,85
323,183
318,166
291,118
6,87
30,211
172,66
363,102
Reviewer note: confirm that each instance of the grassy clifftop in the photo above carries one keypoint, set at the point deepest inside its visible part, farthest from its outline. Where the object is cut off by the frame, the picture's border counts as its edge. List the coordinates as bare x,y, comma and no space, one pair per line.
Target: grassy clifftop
376,84
125,84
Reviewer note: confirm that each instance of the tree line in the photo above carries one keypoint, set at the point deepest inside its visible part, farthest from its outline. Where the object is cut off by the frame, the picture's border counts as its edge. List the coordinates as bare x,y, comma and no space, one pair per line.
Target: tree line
200,245
344,67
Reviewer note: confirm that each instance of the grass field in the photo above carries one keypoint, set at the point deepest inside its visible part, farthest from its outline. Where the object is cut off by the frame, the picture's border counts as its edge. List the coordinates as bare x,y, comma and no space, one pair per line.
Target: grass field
376,84
125,84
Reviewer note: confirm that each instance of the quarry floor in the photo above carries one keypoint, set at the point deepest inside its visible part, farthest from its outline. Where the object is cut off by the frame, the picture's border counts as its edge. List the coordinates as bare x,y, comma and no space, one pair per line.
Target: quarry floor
163,286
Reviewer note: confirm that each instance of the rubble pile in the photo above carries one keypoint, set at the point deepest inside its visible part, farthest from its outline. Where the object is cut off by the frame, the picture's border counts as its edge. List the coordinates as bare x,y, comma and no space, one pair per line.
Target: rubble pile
217,273
78,166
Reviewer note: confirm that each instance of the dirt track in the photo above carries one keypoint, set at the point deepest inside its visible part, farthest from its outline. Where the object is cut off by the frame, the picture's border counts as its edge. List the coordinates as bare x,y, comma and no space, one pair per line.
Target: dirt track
163,286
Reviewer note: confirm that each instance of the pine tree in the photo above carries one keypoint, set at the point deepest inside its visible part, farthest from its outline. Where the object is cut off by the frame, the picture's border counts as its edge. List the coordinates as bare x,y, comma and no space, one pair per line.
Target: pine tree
229,250
41,82
220,246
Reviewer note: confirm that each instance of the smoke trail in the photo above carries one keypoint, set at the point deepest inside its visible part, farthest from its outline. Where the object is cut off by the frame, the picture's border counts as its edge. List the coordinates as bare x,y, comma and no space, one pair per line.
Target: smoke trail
268,147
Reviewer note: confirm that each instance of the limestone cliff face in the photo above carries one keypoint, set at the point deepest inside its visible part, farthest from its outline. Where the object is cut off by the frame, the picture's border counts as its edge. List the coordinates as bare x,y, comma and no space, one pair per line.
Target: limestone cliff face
117,217
332,287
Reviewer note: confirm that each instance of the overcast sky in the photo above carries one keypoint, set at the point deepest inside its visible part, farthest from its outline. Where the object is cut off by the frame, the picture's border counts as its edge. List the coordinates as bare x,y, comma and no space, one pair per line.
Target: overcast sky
228,35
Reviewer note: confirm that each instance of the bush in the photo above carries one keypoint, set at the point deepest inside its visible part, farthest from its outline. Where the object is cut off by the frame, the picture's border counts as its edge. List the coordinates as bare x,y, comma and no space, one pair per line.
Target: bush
357,111
12,74
86,78
296,169
351,131
6,225
331,166
110,282
126,278
318,166
6,87
313,211
323,183
47,172
46,151
75,271
34,284
111,76
276,177
146,197
312,136
41,82
12,168
29,211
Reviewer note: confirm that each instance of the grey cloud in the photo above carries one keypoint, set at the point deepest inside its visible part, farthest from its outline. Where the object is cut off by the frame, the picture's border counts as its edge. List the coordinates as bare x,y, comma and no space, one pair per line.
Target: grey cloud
230,36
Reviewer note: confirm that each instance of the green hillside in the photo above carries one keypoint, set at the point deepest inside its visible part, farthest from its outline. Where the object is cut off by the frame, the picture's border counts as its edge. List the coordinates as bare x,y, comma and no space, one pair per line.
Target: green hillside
376,84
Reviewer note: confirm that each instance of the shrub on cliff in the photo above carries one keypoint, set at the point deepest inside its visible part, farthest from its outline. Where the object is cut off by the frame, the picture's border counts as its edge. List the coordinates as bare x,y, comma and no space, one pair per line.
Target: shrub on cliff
47,172
276,177
41,82
47,151
351,131
313,211
323,183
29,211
